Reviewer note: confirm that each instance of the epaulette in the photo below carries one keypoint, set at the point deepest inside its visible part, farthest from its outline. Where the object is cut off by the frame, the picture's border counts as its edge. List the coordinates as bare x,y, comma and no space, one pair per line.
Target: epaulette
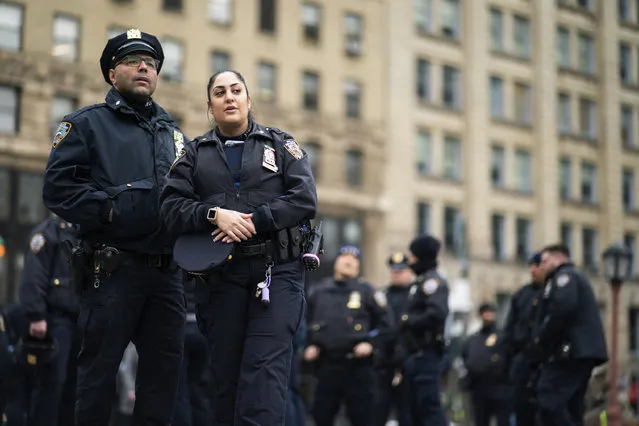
79,112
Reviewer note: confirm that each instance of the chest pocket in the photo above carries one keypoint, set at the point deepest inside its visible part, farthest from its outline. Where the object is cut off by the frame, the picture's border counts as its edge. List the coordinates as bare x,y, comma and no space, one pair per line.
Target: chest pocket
135,207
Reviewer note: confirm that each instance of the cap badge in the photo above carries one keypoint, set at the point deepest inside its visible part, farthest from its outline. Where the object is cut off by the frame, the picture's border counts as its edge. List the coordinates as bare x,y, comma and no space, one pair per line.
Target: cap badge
133,33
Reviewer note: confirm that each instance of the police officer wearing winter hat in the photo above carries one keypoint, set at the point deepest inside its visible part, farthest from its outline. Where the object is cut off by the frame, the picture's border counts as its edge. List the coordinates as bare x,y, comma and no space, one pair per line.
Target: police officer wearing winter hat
422,325
107,166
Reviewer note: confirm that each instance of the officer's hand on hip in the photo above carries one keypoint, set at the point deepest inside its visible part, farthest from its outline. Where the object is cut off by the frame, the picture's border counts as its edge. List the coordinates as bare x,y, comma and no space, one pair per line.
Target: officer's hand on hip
363,350
38,329
311,353
233,225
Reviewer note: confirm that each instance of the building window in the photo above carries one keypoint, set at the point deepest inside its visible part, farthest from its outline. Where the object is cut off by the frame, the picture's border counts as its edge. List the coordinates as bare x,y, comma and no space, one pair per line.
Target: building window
498,236
9,109
29,201
524,239
496,30
353,25
564,115
565,179
452,158
624,10
523,104
590,250
311,20
310,88
423,218
451,91
565,232
628,189
523,171
588,183
313,151
423,12
173,62
172,5
220,11
625,70
353,98
354,170
267,77
114,31
522,37
423,80
11,18
586,53
633,330
563,47
498,166
627,130
588,118
450,18
66,33
220,61
630,241
60,107
586,4
496,97
424,153
451,227
268,14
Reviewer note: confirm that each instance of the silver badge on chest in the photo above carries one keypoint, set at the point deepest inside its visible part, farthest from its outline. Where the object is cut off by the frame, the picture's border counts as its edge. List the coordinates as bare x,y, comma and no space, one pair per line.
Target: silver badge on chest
268,160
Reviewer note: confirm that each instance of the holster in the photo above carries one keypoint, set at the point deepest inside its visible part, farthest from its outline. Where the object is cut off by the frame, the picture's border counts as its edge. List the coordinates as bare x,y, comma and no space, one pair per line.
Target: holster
79,265
106,259
288,244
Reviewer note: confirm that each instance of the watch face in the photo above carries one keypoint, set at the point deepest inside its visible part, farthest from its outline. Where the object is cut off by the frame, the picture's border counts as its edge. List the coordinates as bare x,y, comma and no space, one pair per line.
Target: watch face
211,214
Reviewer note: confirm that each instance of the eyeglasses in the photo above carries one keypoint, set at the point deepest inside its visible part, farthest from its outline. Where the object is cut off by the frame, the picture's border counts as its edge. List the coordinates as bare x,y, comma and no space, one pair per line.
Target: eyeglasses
135,60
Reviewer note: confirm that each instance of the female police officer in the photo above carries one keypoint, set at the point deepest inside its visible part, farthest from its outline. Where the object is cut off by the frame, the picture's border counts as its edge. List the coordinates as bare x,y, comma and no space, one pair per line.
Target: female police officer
250,186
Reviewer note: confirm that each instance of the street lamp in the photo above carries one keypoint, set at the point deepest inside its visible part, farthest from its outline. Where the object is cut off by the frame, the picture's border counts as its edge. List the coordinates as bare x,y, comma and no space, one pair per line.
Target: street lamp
616,262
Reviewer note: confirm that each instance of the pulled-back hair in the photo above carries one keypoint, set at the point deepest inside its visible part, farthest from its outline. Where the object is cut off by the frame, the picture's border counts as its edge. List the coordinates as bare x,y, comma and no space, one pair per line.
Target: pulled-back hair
240,77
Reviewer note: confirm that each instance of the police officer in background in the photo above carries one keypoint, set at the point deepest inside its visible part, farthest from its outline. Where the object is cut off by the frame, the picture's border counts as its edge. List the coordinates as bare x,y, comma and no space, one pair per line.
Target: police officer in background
51,306
487,378
105,172
193,402
392,389
516,336
569,339
422,325
344,314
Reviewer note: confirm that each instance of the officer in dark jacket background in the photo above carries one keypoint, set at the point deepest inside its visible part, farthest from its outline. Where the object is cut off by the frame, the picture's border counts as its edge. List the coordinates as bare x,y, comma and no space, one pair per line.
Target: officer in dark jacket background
105,173
516,337
51,305
344,314
487,378
246,189
569,339
392,388
422,325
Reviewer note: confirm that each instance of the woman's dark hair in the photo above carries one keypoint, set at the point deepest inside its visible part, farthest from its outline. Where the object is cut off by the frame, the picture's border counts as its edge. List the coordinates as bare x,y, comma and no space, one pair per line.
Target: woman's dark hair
209,85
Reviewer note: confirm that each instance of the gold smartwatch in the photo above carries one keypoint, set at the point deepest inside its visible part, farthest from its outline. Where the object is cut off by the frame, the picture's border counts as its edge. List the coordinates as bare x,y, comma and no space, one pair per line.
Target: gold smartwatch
211,214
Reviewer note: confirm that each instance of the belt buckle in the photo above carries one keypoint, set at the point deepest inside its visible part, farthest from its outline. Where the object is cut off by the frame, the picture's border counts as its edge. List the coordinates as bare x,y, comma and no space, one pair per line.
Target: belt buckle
154,260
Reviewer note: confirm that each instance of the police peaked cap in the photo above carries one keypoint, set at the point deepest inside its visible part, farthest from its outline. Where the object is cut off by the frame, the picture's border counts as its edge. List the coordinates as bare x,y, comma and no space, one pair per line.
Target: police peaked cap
487,307
198,253
33,351
131,41
398,260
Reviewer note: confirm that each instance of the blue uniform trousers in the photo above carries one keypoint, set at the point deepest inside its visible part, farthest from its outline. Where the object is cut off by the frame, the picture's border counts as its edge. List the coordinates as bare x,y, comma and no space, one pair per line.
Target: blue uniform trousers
423,371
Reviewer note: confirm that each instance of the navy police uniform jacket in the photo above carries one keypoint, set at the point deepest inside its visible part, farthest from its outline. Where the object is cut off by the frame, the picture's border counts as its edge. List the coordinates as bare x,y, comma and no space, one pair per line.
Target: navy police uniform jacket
45,289
484,360
341,315
569,316
521,319
106,170
391,351
424,319
280,192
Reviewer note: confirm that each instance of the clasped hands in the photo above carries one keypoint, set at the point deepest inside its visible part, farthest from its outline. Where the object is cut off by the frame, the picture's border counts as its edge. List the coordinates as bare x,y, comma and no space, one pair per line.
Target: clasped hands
233,226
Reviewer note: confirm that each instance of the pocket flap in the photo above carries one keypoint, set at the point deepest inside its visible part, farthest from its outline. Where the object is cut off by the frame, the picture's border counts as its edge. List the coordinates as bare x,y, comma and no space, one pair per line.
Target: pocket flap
146,183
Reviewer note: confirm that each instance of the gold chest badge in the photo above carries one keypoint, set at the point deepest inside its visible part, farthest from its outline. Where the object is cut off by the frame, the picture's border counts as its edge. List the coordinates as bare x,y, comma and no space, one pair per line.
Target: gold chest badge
354,300
491,340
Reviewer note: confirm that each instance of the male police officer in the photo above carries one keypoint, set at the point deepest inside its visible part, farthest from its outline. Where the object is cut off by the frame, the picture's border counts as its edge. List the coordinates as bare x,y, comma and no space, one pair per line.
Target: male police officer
487,377
51,306
517,335
342,312
571,338
105,173
392,388
423,333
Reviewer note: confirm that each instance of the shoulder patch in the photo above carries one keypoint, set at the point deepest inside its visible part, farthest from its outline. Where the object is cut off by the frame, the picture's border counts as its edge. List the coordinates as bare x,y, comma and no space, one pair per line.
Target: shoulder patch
63,130
562,280
178,157
430,286
380,298
293,148
37,242
178,140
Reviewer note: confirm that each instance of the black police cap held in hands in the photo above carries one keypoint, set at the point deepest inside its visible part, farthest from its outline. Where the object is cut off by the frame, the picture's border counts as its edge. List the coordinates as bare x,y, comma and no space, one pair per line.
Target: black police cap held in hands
33,351
198,252
128,42
425,249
